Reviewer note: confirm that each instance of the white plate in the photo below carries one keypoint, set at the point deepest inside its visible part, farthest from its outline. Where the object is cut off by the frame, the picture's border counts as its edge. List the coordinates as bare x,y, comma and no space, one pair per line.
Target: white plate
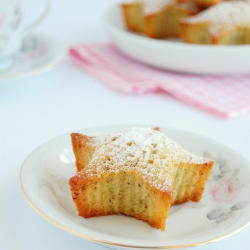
175,55
38,53
223,210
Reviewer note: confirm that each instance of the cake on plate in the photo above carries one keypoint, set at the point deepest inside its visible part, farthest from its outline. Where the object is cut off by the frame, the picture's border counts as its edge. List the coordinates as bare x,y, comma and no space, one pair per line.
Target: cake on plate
139,172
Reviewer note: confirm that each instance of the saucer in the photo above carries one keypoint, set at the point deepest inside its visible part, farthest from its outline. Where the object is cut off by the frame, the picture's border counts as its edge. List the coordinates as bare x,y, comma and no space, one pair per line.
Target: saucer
223,211
38,53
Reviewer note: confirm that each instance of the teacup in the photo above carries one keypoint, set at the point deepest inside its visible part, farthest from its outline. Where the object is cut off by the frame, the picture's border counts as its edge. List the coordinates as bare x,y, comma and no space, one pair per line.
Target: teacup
11,30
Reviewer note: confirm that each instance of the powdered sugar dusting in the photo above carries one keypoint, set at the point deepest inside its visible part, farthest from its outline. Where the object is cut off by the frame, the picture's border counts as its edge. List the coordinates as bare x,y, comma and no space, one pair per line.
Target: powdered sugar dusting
224,16
153,6
149,152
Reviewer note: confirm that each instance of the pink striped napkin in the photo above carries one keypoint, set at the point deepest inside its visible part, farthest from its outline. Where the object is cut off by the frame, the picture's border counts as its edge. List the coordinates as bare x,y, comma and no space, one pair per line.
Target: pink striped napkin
226,96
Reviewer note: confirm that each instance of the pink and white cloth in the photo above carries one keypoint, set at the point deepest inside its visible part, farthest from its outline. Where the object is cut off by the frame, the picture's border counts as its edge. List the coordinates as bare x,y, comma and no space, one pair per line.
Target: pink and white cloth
226,96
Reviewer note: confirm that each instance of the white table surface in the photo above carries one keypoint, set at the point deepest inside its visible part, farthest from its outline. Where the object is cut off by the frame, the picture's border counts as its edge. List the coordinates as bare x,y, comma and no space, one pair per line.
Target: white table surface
38,108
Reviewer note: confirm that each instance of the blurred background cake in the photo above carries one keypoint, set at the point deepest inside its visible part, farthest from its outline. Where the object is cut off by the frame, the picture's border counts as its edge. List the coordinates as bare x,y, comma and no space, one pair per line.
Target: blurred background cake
156,18
192,21
226,23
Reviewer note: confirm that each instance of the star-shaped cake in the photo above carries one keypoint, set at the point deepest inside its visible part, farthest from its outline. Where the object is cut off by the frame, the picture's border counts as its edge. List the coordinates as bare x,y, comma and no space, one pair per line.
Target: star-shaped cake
139,172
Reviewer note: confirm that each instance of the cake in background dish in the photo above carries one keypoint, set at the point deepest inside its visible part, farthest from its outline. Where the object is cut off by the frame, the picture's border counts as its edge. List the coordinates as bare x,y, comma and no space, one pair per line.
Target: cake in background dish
227,23
216,22
156,18
203,4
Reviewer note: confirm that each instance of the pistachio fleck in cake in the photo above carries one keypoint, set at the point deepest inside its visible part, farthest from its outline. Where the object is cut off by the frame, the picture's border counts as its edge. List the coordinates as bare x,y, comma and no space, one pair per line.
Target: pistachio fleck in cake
138,172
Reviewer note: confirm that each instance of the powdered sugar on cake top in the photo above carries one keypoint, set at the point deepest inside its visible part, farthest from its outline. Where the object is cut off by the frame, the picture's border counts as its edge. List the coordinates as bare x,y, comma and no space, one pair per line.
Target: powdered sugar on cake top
224,16
155,6
145,150
152,6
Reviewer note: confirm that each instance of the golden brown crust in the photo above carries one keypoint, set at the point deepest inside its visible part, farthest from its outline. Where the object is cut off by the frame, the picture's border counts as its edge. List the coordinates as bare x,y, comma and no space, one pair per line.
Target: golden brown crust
202,4
133,16
83,149
166,23
197,33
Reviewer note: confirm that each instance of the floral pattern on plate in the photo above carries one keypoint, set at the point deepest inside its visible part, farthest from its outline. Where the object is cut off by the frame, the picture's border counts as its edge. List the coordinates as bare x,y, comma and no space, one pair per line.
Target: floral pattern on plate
224,186
221,214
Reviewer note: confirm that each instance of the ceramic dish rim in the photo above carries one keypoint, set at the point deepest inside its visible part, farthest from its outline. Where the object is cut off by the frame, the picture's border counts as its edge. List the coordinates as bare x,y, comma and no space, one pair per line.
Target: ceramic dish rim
110,243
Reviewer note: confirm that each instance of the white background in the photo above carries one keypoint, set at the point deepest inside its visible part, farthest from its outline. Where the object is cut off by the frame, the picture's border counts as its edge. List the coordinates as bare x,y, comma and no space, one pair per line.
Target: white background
40,107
